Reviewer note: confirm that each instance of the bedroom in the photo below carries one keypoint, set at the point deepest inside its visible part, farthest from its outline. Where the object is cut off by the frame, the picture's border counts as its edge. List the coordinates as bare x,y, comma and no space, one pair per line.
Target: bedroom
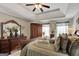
40,25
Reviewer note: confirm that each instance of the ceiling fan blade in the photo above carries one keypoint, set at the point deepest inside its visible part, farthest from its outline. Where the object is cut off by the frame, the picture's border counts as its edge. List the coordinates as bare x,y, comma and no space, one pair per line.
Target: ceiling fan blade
34,9
29,4
41,9
46,6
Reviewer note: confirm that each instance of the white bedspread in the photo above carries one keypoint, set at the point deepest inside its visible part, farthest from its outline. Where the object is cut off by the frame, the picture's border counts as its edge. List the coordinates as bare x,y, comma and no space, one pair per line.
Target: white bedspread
40,48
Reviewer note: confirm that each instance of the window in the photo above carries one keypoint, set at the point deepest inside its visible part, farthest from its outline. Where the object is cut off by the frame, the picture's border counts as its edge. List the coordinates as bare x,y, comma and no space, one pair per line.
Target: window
62,28
45,29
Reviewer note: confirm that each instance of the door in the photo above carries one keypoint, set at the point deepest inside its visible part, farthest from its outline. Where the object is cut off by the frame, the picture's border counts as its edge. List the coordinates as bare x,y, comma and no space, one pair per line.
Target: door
36,30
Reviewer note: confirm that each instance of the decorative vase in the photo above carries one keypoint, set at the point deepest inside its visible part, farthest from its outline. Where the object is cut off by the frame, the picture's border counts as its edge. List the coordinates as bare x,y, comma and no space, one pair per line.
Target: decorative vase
16,34
11,34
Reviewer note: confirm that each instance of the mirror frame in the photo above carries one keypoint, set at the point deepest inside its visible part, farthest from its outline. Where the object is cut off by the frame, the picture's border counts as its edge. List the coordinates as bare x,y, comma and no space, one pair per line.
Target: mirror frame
11,21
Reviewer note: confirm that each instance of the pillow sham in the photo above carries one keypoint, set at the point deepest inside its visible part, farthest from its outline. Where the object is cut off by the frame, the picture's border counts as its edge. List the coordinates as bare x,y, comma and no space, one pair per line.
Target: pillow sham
57,44
74,50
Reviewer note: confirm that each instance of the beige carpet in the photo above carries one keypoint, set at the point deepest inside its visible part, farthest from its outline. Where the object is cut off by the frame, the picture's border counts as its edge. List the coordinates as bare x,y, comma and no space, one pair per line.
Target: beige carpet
17,53
3,54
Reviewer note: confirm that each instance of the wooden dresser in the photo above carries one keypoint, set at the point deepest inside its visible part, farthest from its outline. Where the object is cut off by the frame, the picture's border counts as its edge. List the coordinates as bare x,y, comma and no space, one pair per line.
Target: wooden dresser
7,45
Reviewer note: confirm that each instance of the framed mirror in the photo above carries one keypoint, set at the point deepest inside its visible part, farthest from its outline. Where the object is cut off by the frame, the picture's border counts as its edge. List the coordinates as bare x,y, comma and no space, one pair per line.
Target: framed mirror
10,29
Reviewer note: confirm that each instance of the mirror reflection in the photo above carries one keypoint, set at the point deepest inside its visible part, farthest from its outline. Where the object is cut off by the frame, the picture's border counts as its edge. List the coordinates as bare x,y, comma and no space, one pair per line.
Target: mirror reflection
11,30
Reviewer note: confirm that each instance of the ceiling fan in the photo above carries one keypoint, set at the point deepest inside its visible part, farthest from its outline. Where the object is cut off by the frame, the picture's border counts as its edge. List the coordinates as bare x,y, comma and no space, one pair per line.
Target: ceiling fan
38,5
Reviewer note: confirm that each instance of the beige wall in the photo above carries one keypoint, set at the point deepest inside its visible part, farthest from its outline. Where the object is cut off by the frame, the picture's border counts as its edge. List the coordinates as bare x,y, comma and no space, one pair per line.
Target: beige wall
25,24
71,28
74,25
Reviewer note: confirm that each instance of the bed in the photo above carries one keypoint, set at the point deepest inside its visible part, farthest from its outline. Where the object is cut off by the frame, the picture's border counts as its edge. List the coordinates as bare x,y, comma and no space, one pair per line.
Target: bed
44,48
40,48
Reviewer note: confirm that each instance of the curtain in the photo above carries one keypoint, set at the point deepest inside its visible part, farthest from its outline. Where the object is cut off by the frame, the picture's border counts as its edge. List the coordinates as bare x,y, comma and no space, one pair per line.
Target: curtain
62,28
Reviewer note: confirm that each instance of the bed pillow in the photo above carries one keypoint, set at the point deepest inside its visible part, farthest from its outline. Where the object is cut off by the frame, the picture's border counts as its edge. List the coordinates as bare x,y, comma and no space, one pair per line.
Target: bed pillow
63,43
68,46
74,50
57,44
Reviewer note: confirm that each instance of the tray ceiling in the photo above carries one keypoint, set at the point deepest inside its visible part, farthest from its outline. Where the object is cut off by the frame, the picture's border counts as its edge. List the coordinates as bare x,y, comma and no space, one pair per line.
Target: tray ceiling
57,10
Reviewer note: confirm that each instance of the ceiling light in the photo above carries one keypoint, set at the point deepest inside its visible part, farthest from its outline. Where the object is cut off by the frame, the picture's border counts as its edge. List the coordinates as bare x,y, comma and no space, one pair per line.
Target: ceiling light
40,6
36,6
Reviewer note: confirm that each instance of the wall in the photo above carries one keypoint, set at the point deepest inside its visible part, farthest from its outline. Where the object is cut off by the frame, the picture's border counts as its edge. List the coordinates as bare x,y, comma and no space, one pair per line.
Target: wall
23,23
75,24
71,28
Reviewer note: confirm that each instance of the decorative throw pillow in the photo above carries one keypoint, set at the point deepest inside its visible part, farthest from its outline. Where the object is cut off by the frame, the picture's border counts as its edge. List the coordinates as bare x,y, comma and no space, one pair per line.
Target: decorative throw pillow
72,38
74,48
70,42
68,46
57,44
63,43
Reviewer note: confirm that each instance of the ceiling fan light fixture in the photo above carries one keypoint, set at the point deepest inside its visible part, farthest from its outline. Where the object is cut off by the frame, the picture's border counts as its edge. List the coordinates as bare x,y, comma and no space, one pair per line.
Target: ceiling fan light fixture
38,6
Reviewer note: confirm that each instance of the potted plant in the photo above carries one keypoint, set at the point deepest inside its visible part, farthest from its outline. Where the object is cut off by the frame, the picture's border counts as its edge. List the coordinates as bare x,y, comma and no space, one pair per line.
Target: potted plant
11,34
15,30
